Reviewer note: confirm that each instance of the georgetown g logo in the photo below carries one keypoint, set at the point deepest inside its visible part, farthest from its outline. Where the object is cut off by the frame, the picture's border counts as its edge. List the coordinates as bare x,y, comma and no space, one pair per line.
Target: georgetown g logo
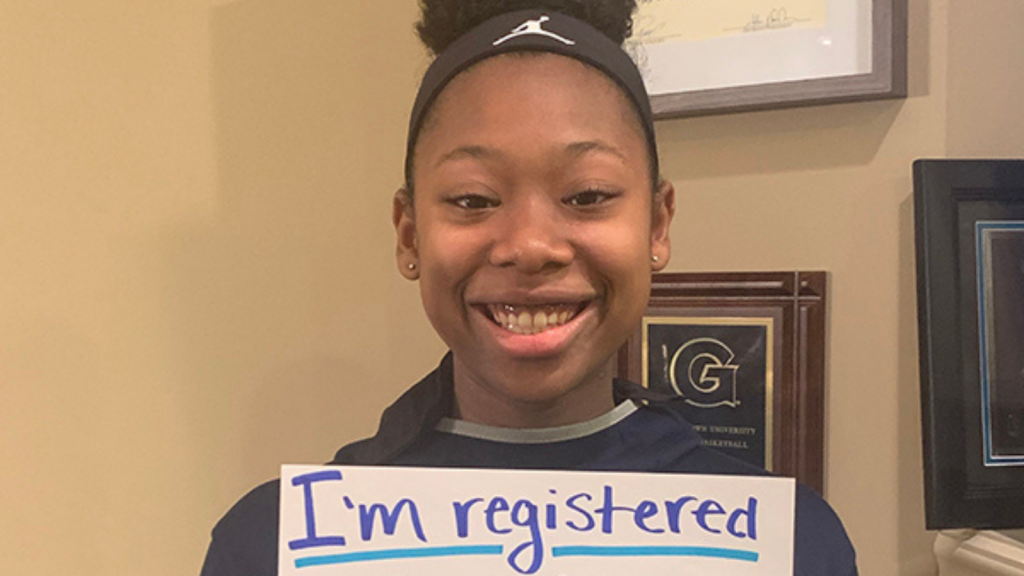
534,27
701,373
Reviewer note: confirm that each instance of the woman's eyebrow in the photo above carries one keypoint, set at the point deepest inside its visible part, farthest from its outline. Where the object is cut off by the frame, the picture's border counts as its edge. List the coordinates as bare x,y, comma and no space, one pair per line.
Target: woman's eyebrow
469,151
586,146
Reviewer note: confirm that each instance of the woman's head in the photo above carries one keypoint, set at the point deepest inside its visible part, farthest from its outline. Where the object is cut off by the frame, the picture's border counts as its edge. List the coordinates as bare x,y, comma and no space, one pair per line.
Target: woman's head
533,234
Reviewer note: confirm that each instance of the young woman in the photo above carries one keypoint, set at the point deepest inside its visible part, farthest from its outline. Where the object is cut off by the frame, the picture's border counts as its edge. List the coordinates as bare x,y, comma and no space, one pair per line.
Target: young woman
532,216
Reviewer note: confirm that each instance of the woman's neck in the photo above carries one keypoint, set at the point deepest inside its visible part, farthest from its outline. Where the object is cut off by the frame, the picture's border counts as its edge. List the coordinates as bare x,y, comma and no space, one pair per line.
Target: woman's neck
483,403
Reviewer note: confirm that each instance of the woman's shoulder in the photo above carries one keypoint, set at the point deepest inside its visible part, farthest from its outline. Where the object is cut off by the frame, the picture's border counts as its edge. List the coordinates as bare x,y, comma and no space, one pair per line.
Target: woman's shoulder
821,543
245,540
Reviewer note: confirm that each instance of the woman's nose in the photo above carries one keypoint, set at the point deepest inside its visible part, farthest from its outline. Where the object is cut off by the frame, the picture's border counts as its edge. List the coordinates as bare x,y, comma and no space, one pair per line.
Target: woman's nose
532,238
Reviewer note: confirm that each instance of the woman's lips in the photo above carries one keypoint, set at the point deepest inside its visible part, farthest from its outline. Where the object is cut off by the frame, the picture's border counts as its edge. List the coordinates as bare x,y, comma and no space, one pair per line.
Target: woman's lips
517,340
532,319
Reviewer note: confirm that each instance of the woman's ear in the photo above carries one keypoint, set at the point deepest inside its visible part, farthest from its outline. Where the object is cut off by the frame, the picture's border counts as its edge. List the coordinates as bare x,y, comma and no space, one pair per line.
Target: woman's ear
661,221
404,219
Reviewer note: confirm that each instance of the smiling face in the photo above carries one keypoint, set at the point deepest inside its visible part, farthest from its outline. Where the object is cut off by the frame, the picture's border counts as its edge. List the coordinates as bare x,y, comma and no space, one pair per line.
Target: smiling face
533,231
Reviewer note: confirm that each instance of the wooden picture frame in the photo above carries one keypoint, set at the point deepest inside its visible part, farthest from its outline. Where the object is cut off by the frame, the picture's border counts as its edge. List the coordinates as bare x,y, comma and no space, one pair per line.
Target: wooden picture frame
859,52
969,224
726,307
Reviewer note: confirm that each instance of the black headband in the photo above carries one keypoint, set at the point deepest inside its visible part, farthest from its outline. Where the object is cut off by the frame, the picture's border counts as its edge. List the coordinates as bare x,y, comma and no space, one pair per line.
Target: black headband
531,30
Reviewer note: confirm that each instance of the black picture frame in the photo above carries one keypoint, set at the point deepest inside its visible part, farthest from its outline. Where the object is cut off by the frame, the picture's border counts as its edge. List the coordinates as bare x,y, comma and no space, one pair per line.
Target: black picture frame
723,368
790,306
967,485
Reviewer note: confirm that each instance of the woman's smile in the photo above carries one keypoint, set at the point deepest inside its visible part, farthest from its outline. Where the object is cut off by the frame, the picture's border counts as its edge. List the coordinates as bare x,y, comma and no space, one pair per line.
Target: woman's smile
534,331
532,318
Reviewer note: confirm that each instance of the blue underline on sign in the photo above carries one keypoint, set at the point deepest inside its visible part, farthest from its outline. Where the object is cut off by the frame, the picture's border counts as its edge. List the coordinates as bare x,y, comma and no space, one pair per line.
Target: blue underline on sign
701,551
482,550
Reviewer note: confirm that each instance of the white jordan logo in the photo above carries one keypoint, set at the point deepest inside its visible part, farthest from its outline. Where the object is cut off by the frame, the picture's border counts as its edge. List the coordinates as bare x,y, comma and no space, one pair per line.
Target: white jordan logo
533,27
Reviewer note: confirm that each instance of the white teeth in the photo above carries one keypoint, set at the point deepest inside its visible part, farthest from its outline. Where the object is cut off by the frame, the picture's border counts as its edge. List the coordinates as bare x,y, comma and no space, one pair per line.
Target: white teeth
540,321
525,321
532,319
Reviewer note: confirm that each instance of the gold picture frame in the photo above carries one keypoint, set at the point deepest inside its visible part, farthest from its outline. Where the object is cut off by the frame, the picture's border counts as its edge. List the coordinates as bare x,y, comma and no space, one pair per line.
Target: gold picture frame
706,362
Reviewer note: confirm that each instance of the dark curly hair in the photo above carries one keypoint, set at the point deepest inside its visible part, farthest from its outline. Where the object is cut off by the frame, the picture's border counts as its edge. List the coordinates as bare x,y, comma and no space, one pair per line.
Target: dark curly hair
444,21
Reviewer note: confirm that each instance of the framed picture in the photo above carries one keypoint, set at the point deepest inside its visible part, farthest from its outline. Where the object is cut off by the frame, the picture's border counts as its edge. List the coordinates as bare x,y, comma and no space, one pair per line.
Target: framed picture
713,57
744,353
970,278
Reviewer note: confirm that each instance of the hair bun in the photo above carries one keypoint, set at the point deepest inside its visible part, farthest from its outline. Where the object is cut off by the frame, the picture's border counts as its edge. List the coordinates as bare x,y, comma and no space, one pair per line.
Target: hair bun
443,21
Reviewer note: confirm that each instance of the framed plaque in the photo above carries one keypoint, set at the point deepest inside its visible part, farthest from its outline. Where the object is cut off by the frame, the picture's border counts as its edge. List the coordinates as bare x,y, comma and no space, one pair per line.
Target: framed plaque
712,57
743,352
970,272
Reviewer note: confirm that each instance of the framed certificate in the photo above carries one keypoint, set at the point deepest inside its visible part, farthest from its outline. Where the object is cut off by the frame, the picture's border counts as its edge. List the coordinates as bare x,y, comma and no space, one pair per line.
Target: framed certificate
970,257
702,57
743,356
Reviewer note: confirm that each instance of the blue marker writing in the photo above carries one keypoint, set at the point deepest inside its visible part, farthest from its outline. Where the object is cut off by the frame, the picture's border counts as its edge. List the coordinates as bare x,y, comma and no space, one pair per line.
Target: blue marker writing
312,539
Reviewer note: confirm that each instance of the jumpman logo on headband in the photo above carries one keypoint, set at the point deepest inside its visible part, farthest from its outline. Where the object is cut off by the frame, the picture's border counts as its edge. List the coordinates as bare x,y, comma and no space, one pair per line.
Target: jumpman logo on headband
533,27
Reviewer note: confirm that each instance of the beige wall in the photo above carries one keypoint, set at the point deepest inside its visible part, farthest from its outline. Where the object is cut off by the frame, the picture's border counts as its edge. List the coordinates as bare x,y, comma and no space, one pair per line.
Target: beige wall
196,276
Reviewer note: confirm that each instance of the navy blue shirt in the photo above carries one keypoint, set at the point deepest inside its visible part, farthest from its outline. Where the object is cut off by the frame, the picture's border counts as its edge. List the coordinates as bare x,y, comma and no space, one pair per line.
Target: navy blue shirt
651,438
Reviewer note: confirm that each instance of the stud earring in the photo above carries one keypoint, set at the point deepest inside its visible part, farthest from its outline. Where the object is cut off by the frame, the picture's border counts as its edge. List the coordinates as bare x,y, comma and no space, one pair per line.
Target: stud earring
412,266
654,258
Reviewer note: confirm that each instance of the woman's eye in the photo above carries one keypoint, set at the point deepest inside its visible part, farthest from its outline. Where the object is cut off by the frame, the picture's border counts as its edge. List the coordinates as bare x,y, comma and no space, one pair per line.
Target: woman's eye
588,198
473,202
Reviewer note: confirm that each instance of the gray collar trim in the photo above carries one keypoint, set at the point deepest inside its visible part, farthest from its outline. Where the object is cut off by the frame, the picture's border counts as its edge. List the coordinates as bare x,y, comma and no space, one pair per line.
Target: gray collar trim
537,435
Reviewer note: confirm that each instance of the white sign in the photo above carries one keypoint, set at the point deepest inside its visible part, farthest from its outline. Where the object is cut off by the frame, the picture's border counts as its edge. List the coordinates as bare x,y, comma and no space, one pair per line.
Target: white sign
349,520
